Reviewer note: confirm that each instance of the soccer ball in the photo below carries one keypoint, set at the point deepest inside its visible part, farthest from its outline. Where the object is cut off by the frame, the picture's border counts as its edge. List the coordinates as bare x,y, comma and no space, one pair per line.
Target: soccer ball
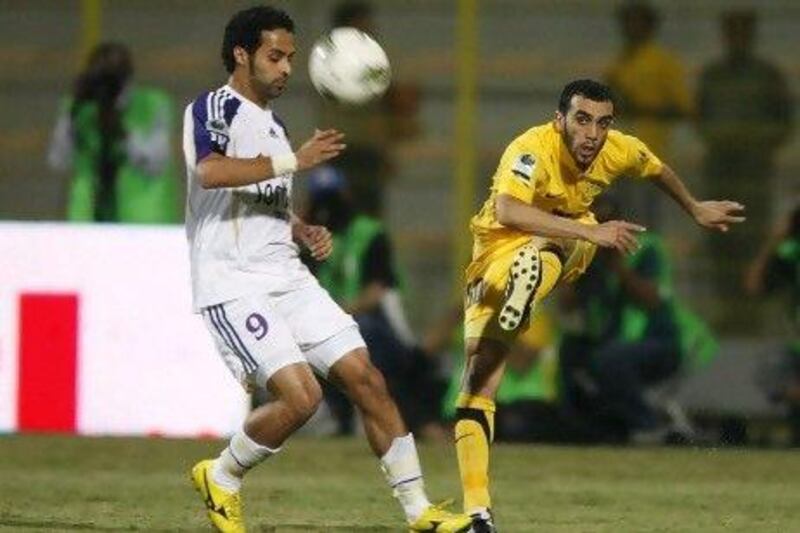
349,66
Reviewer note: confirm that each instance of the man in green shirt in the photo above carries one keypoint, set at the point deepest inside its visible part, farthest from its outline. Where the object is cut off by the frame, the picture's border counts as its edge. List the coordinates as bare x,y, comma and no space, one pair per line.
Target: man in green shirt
777,268
115,139
634,335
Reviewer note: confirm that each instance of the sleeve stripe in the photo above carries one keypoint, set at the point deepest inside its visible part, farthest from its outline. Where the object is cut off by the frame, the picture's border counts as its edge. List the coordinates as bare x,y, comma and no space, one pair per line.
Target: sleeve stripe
202,141
214,113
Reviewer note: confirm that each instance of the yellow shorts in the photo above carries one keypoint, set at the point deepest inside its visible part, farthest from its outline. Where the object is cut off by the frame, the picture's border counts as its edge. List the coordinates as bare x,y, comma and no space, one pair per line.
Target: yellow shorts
487,276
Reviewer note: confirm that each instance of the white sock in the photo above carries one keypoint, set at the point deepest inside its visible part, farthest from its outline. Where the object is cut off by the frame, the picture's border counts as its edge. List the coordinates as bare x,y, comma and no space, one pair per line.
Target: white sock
242,454
400,464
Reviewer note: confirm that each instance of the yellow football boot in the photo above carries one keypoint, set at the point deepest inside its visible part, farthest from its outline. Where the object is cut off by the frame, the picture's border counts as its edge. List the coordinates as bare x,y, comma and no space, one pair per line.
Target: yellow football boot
436,518
224,508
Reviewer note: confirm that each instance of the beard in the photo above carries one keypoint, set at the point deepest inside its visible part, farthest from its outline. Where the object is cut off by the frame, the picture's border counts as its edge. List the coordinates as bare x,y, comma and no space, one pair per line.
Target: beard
270,89
574,149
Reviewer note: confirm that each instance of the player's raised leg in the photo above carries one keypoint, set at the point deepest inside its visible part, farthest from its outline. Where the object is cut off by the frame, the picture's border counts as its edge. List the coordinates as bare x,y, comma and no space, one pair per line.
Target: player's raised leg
474,428
256,360
518,281
391,441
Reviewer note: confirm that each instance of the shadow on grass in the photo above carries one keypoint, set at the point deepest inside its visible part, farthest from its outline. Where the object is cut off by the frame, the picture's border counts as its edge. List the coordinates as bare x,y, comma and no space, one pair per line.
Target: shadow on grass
313,528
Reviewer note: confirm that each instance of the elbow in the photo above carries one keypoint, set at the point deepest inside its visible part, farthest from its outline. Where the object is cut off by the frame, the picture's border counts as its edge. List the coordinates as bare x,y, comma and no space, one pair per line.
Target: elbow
503,210
207,184
651,298
753,285
651,303
207,177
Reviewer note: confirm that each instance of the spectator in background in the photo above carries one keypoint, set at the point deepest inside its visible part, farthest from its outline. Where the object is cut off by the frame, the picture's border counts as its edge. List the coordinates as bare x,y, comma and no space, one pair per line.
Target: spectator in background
744,117
371,129
115,139
775,268
361,275
634,336
650,85
527,395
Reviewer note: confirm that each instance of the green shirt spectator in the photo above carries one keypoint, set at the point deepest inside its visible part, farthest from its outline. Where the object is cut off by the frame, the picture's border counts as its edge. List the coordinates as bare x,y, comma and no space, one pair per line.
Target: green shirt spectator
115,138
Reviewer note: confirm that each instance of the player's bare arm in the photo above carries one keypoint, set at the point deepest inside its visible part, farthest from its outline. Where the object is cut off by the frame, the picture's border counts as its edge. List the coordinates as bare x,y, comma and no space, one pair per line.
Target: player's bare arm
218,171
617,234
317,239
755,276
711,214
642,290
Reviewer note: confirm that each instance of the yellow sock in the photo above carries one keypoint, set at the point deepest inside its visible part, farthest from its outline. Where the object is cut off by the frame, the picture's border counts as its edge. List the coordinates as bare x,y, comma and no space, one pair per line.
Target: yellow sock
474,433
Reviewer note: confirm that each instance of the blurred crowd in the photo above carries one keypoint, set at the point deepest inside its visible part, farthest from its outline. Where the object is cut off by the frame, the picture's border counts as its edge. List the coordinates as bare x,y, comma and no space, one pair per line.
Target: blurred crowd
603,364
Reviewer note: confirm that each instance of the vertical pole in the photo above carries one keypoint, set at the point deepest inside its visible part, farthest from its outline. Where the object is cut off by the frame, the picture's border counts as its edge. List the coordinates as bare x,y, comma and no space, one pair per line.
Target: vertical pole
91,26
464,151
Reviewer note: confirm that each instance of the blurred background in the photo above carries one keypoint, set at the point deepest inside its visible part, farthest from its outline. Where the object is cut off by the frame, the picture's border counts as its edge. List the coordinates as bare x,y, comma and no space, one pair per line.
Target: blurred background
710,85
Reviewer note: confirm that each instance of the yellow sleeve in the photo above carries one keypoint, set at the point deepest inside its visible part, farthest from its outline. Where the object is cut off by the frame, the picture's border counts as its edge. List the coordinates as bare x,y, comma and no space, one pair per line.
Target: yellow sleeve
517,172
640,162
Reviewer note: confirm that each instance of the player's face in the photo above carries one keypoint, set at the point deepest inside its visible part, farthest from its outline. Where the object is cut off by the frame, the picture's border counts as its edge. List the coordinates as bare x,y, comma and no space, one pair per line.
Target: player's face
585,127
271,64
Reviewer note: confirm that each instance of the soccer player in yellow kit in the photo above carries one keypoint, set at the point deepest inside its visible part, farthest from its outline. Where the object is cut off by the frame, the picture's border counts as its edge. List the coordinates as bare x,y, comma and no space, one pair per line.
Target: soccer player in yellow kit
535,230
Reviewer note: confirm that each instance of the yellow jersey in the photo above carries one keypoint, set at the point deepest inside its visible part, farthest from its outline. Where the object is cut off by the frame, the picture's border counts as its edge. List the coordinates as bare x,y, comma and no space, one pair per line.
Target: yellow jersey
536,168
652,80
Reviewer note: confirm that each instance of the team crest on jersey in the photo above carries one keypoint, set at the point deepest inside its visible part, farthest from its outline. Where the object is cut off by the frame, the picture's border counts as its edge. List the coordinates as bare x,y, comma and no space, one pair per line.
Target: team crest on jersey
523,166
589,188
218,126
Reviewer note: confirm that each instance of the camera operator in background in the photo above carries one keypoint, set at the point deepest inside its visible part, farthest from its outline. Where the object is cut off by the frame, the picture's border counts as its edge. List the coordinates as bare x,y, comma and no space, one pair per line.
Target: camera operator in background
115,137
362,276
634,336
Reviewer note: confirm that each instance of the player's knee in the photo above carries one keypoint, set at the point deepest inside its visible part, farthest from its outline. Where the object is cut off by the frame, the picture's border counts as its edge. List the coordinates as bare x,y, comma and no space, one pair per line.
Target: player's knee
304,401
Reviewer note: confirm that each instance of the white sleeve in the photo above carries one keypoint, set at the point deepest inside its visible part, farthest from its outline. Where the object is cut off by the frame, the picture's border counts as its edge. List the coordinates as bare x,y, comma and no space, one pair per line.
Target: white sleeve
150,150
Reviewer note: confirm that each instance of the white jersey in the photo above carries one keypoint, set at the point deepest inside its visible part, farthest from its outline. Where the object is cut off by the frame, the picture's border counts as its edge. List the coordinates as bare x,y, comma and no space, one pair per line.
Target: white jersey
240,238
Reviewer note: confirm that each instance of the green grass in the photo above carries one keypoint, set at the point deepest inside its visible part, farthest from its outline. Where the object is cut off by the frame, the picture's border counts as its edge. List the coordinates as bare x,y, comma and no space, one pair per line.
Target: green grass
74,484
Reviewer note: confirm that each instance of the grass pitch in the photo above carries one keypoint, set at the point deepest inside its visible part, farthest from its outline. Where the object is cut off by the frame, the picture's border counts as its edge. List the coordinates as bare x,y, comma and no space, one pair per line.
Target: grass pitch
318,485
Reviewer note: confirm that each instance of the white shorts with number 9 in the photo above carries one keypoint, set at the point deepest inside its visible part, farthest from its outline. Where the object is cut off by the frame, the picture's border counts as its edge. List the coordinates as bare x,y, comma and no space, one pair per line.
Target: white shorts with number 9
258,335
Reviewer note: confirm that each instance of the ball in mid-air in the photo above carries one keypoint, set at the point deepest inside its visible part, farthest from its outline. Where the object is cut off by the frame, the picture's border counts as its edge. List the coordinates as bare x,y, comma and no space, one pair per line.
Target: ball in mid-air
349,66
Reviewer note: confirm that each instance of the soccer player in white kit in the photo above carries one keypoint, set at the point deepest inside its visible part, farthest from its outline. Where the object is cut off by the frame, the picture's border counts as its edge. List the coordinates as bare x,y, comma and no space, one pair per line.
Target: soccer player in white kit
271,321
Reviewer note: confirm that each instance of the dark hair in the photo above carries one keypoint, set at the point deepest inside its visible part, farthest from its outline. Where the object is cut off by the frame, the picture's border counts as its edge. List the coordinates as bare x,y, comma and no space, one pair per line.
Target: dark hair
794,223
108,71
593,90
245,27
641,9
349,12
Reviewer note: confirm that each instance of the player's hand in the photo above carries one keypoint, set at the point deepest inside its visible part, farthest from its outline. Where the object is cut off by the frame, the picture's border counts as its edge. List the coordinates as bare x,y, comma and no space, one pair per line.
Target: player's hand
719,215
617,234
323,146
318,240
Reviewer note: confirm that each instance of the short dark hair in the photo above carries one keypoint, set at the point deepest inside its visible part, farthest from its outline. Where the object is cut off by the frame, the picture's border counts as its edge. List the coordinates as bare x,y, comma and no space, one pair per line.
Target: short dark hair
245,27
349,12
593,90
641,9
794,223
